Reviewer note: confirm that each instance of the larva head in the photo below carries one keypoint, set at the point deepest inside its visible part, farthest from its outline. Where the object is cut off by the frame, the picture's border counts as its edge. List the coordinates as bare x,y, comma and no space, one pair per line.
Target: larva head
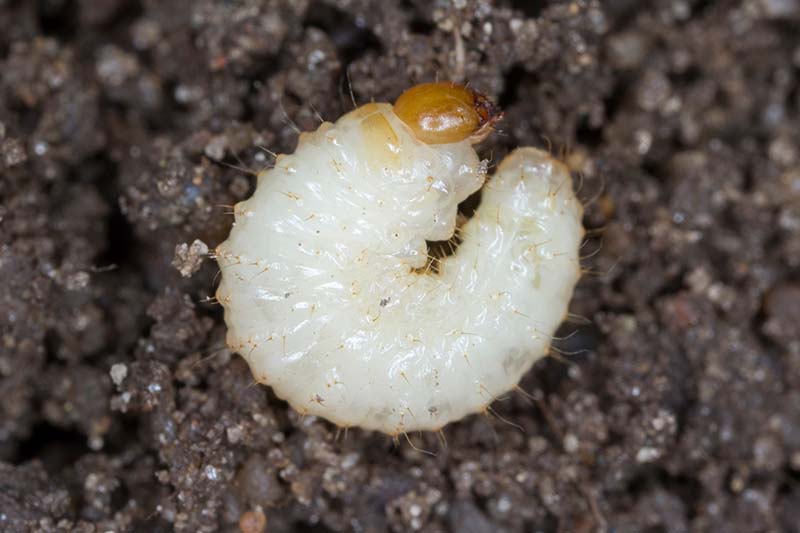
445,112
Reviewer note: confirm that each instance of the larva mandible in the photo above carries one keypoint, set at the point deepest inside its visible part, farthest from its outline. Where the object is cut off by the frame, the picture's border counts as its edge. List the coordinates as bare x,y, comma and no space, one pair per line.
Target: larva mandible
326,283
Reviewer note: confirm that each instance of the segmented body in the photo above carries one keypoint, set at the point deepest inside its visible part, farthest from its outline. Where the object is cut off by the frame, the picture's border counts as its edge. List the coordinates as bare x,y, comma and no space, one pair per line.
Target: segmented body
331,299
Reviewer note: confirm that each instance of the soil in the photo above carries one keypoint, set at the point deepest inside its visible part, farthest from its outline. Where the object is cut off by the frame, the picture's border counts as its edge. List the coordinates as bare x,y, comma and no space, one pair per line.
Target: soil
672,403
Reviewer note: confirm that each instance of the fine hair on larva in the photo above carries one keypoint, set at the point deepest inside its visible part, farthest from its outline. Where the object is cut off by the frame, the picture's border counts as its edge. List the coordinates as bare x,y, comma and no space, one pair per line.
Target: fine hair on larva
332,296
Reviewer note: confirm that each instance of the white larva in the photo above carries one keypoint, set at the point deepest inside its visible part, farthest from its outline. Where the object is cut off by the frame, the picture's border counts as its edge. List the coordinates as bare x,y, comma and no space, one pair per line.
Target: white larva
325,286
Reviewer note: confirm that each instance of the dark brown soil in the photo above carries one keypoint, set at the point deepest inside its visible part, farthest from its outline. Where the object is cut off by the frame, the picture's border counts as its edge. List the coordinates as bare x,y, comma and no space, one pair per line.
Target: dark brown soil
675,405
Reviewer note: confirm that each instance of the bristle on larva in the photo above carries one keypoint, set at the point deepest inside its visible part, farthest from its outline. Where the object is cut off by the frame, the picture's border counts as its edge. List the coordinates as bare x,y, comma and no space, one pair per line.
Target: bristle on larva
328,289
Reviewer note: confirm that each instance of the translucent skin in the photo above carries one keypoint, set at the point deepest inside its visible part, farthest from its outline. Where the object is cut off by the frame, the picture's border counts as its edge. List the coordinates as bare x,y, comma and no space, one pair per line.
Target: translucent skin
326,293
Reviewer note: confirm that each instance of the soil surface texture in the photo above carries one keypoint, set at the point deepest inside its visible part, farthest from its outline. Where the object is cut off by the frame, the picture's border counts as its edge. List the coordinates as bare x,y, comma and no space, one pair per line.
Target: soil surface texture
672,403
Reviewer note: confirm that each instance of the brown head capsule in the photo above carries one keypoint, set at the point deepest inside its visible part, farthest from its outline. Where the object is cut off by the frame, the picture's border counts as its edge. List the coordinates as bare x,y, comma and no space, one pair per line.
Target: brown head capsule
445,112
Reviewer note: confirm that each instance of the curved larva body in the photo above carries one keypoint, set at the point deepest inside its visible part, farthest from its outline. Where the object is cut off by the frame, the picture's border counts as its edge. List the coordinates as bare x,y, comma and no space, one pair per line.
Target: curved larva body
324,286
